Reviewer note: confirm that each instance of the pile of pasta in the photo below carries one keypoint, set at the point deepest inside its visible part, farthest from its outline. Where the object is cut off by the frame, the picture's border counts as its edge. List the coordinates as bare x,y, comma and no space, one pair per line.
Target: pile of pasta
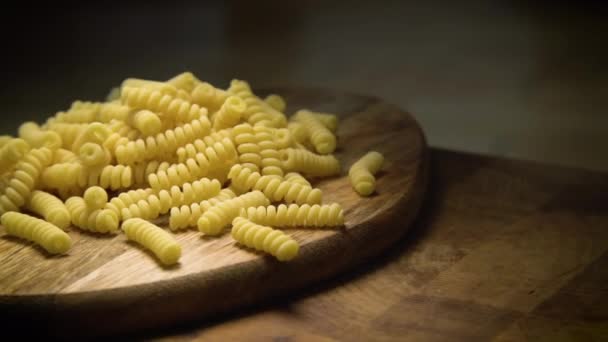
207,157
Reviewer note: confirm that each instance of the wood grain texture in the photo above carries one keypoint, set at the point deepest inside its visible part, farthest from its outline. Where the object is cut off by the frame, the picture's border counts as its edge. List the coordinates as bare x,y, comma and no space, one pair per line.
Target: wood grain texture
502,251
106,276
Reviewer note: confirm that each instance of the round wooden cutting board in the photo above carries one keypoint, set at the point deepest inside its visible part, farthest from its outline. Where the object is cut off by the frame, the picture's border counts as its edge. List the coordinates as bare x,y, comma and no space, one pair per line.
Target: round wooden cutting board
106,285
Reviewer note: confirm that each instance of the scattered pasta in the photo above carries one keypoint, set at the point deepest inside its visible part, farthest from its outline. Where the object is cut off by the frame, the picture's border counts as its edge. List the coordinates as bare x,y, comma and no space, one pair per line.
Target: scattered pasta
203,156
50,237
263,238
154,238
362,172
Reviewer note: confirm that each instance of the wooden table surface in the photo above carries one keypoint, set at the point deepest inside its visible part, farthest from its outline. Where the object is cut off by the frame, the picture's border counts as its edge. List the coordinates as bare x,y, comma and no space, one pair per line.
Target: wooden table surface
503,250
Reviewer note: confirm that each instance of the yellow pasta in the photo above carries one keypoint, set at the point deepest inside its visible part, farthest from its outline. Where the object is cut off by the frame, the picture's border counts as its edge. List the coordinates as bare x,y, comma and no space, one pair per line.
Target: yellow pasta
154,238
95,132
266,239
184,81
113,111
298,132
125,199
219,155
163,143
330,121
142,170
98,221
95,197
11,152
68,132
200,145
49,207
83,115
50,237
61,176
188,215
258,112
276,102
323,140
146,122
25,178
274,188
247,145
209,96
4,139
108,177
213,221
36,137
230,113
95,107
91,154
296,215
295,177
174,108
309,163
65,156
362,172
161,87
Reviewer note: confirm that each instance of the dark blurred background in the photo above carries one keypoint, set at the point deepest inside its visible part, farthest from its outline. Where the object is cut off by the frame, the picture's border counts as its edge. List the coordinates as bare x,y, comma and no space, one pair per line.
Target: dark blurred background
512,78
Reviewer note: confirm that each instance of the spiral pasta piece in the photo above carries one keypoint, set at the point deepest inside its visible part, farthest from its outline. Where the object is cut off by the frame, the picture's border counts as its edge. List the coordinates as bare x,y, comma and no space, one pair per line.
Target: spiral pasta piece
213,221
95,132
276,102
36,137
142,170
61,176
266,239
230,113
247,146
108,177
157,204
154,238
295,177
79,115
330,121
199,145
25,178
67,131
113,111
51,238
98,220
309,163
65,156
257,112
362,172
274,187
163,143
11,152
323,140
123,130
89,105
188,215
219,156
125,199
177,109
185,81
294,215
91,154
162,87
208,96
298,132
50,207
146,122
95,197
